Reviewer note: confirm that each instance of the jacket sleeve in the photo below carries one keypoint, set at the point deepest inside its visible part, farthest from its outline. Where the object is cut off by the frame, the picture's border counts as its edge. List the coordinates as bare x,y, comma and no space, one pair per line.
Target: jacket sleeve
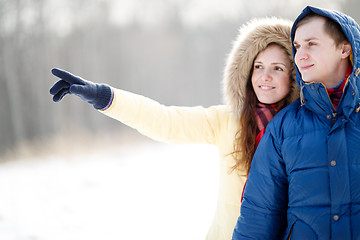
168,123
263,210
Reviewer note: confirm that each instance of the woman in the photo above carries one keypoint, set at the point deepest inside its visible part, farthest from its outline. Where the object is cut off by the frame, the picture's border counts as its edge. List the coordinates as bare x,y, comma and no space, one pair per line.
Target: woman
258,82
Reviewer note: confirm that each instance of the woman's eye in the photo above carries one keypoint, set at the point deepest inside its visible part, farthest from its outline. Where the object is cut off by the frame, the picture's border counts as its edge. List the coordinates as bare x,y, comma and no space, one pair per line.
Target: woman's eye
258,67
311,44
279,69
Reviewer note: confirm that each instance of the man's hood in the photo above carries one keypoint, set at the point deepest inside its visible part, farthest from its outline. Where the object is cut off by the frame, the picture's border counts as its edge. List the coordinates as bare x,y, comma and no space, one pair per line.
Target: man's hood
352,32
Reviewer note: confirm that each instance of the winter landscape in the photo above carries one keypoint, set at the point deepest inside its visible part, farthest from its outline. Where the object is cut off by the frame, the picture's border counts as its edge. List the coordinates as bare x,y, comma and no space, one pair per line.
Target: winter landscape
140,191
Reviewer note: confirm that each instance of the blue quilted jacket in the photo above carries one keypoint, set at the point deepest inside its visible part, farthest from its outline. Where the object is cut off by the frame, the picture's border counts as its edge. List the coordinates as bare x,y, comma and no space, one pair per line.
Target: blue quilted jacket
305,176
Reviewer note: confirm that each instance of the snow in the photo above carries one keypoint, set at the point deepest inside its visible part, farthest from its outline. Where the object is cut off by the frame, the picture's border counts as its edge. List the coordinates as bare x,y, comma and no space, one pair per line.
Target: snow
144,191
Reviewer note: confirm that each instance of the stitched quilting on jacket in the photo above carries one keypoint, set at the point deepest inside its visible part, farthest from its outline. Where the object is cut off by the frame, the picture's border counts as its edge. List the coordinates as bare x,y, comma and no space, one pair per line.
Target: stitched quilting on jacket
305,176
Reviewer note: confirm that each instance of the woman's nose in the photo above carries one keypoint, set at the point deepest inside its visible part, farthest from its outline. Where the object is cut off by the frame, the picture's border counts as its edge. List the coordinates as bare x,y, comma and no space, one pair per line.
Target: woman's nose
266,76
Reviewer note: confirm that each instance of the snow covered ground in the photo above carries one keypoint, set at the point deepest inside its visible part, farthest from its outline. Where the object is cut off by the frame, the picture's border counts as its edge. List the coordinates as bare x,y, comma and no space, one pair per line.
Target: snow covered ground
143,191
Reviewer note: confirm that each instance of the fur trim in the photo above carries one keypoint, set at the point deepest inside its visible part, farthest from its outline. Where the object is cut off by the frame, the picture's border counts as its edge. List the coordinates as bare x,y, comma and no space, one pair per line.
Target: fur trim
254,37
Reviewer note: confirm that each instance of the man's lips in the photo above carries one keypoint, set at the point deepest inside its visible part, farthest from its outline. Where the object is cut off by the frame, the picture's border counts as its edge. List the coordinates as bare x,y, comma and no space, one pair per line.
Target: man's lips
306,67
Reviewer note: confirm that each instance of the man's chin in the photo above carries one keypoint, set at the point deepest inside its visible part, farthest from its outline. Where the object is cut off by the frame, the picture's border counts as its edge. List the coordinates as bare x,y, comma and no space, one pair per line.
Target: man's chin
307,79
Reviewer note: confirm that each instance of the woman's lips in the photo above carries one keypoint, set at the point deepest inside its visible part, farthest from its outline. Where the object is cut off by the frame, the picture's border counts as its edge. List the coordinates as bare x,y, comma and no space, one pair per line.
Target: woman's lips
266,87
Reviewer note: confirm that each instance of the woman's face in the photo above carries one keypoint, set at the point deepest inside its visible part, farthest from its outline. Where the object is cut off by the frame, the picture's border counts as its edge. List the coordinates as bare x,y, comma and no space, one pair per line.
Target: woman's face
271,75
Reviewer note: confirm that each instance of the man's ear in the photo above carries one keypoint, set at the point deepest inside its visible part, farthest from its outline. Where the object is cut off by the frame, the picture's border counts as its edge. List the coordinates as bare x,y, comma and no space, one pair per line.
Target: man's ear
345,49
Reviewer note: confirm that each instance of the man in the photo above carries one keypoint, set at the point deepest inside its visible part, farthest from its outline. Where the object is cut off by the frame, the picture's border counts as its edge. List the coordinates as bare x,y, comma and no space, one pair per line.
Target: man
304,181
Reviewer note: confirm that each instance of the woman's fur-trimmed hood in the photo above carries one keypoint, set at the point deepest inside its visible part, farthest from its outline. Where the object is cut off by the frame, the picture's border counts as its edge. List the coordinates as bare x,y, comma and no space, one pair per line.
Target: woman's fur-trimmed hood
254,37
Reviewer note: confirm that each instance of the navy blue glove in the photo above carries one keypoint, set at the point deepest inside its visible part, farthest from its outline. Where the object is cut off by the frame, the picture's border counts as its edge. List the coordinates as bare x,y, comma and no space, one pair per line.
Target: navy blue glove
99,95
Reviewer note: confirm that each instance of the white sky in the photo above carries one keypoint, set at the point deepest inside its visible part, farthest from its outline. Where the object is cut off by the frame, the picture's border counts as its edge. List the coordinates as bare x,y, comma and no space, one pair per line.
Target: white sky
62,15
203,12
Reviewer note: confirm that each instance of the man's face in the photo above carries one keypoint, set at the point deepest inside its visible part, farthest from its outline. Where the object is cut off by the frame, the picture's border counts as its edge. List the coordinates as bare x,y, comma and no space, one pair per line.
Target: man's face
317,57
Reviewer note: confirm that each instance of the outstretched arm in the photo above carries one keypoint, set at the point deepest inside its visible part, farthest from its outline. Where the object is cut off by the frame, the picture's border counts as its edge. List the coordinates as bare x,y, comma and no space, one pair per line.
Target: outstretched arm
163,123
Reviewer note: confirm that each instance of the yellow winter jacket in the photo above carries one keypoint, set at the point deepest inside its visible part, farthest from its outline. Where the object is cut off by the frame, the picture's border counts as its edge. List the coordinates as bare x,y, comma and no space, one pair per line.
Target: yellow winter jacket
215,125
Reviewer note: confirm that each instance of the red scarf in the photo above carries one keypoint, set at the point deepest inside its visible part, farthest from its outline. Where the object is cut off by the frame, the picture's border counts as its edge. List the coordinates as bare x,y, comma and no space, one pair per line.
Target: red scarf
263,114
335,94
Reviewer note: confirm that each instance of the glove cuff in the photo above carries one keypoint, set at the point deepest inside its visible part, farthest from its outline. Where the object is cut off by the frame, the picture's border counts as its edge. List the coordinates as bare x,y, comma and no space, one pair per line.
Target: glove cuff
103,98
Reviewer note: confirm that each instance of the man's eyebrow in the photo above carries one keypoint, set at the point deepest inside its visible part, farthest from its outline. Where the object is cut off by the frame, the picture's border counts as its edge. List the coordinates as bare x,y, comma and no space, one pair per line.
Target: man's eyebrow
307,40
311,38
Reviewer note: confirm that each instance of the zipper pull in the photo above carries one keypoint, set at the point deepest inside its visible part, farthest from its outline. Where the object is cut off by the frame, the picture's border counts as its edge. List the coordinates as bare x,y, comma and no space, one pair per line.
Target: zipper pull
302,99
357,109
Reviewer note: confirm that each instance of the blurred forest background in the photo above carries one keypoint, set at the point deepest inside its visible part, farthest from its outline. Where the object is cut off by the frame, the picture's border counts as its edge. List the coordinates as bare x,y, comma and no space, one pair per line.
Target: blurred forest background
173,51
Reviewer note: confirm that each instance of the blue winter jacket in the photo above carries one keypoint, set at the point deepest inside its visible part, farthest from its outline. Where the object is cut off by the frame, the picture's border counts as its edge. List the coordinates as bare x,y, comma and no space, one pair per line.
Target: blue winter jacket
305,175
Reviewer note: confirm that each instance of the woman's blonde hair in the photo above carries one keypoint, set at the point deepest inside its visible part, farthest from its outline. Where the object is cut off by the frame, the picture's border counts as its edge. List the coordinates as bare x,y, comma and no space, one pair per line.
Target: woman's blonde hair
253,38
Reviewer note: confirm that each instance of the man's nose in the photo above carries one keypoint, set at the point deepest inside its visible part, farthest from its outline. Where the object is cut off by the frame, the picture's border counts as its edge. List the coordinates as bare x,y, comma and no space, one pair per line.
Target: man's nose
301,54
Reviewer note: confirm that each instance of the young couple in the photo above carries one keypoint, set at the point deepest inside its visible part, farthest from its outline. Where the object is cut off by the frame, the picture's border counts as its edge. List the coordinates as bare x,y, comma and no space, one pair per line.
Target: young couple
303,176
